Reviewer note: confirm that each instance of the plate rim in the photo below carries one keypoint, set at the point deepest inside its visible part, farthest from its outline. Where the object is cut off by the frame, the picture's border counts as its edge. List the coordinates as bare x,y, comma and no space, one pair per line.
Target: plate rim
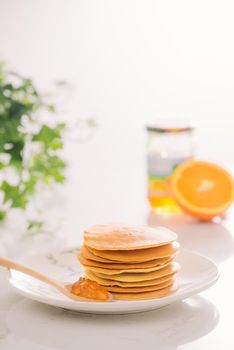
115,306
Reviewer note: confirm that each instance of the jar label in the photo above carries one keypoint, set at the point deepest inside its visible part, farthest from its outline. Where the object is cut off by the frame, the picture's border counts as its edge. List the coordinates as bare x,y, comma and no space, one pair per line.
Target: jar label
161,168
159,171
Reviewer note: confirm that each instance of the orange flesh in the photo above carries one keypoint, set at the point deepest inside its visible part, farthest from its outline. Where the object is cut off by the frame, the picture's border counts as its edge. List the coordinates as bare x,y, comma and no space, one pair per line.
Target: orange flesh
204,186
202,189
89,289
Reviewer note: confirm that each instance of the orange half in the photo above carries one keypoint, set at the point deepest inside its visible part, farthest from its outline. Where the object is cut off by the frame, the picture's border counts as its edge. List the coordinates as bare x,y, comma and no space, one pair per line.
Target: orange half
203,190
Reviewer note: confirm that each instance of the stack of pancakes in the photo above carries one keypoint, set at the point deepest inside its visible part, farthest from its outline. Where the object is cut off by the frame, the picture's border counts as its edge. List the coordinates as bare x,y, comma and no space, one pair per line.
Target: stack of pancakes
131,262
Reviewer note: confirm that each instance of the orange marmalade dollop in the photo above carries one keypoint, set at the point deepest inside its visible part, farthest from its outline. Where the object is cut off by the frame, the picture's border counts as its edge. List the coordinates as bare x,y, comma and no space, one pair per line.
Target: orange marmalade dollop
86,288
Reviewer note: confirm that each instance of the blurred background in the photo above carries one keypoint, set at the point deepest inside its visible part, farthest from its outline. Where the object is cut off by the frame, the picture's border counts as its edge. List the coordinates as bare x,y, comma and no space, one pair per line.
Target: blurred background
129,63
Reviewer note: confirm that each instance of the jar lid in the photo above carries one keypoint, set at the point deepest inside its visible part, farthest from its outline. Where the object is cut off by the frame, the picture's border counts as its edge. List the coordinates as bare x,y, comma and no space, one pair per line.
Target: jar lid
170,126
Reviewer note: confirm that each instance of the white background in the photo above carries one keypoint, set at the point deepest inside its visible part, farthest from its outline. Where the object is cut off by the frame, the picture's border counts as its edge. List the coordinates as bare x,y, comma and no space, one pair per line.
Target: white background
130,62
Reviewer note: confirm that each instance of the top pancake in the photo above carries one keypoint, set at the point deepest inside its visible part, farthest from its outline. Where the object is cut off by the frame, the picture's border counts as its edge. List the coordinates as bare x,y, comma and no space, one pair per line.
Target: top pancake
126,237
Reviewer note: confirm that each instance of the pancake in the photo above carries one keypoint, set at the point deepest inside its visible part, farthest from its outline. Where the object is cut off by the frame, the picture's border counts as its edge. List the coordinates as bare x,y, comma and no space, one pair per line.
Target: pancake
126,237
139,255
86,253
119,266
146,295
131,262
129,271
134,277
108,282
117,289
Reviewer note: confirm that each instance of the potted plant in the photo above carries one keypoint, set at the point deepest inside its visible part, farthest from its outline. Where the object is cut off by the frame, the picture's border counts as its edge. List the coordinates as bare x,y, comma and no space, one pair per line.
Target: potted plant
31,140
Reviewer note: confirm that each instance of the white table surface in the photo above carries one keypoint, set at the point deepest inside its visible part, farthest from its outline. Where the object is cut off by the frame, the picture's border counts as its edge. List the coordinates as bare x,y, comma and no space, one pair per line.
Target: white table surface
117,192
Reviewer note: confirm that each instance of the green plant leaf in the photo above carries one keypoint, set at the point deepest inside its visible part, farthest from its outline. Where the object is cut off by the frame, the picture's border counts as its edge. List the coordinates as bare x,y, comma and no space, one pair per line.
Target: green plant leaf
19,98
50,137
2,215
35,225
15,152
13,195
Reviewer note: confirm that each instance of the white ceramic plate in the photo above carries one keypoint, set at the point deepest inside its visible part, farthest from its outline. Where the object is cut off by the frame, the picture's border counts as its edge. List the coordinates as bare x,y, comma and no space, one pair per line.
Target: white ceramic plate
197,274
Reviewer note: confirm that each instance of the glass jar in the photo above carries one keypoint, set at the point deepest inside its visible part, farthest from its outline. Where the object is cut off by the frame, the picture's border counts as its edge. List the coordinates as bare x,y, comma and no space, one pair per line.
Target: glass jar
169,144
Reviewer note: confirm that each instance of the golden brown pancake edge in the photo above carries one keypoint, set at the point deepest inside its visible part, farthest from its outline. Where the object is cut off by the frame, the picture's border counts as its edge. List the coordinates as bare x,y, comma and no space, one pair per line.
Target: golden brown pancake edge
134,277
159,286
162,293
129,271
108,282
139,255
121,266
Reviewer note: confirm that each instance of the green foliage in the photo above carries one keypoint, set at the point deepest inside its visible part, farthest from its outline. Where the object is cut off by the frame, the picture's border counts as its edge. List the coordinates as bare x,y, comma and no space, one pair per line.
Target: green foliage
29,148
34,225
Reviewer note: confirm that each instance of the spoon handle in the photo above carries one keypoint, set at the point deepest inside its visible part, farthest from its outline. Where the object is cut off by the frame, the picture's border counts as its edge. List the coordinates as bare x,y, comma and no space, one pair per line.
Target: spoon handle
10,264
64,289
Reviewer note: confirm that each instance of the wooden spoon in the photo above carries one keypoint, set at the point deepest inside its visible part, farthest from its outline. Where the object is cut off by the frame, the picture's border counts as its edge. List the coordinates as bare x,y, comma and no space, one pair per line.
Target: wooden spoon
63,288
